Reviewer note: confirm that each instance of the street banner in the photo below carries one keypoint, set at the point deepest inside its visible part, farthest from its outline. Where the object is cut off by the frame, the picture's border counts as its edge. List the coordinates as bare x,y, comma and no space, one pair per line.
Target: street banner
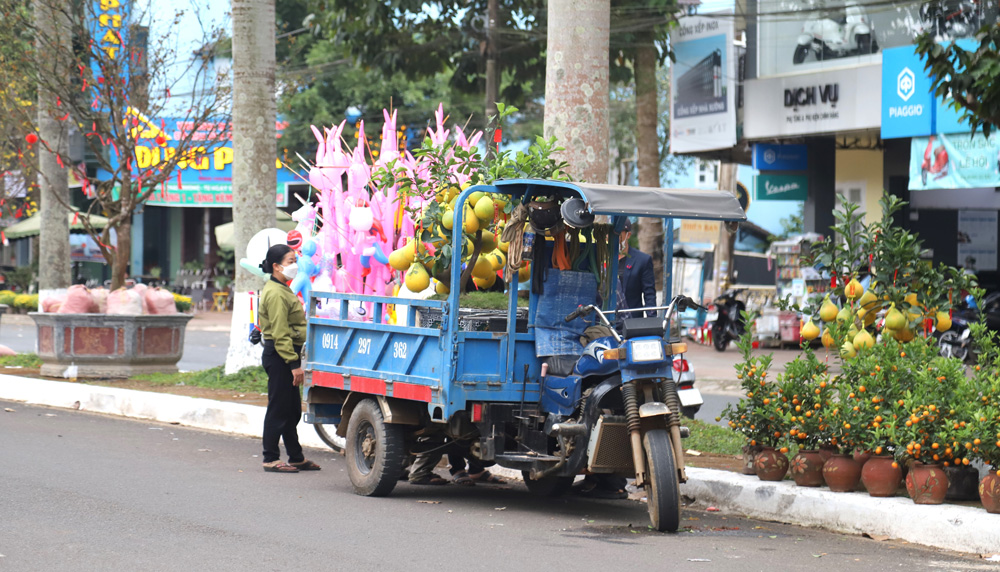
703,80
957,161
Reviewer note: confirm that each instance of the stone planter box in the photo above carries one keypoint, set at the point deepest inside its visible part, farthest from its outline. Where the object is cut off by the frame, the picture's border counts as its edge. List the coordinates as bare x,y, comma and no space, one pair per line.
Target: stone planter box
109,346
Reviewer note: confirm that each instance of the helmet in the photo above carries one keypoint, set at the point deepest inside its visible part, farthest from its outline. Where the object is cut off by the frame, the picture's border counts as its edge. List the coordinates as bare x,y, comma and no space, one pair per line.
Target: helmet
543,216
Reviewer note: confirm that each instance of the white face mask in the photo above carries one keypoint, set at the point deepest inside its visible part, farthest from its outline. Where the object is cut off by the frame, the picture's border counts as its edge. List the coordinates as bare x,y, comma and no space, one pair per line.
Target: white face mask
290,271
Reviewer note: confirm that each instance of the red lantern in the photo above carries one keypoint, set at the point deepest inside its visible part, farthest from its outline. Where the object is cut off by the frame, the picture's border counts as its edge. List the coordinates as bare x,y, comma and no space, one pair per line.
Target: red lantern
31,138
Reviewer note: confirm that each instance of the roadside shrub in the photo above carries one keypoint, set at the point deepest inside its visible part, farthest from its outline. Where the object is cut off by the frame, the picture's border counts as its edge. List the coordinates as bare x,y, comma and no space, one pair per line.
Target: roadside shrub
7,297
26,302
183,303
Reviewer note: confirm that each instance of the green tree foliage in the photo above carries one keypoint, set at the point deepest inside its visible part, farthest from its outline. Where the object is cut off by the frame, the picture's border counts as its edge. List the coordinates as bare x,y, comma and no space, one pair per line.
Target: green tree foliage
444,40
969,77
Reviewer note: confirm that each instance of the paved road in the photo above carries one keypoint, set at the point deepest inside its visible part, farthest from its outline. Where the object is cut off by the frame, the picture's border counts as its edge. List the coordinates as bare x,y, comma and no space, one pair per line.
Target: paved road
202,350
85,492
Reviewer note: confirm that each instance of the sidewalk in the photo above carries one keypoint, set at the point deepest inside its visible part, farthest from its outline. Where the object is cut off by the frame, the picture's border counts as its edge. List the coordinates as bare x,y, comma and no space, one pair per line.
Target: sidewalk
952,527
201,321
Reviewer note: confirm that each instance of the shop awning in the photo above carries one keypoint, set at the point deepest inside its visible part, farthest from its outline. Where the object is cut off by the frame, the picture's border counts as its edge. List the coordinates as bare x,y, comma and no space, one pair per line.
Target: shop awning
32,225
224,232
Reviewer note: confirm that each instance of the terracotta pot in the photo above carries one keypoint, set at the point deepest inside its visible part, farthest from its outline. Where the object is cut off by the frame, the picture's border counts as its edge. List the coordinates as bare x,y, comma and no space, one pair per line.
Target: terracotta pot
862,456
989,492
827,451
879,476
770,464
963,483
927,484
749,455
807,468
842,473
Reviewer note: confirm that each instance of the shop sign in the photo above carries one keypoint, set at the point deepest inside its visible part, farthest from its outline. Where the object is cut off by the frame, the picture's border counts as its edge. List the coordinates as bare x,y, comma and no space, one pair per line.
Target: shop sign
954,162
202,178
205,195
702,79
828,102
699,231
769,187
770,157
909,106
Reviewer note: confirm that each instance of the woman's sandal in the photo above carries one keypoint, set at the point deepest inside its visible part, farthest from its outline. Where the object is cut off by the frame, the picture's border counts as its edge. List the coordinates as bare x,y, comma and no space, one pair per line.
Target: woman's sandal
429,480
488,478
463,478
279,467
306,465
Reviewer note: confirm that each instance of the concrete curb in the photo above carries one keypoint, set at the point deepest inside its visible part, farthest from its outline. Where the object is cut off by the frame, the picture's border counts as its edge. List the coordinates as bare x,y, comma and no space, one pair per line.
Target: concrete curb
952,527
958,528
222,416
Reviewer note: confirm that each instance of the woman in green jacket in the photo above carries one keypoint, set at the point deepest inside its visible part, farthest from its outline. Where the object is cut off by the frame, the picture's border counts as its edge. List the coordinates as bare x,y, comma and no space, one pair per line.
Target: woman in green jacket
283,330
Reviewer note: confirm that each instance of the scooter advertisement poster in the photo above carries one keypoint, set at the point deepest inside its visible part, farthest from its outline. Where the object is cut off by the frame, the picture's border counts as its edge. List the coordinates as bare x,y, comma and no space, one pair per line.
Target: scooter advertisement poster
954,162
796,36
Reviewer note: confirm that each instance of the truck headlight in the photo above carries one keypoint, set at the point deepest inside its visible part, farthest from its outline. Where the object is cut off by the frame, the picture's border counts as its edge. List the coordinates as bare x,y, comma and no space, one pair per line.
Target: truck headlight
647,351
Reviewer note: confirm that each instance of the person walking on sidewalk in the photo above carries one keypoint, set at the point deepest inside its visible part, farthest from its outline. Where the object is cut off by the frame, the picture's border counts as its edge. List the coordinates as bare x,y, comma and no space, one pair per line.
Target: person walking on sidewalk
283,330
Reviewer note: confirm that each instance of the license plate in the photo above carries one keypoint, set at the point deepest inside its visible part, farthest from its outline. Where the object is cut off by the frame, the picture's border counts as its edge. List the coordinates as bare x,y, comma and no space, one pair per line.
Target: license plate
690,397
711,317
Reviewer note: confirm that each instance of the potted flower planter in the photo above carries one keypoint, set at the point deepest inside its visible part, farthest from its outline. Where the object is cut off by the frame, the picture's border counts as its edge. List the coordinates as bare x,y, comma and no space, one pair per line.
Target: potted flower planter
109,346
927,484
749,456
807,468
880,477
770,464
842,473
989,492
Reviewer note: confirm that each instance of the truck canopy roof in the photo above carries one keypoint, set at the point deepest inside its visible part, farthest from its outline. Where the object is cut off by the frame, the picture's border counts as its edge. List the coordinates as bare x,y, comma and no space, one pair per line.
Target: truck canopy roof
636,201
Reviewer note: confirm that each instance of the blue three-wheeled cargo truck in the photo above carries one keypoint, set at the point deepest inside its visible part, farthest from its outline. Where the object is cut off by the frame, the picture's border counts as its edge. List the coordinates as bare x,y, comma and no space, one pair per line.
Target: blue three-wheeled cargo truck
567,387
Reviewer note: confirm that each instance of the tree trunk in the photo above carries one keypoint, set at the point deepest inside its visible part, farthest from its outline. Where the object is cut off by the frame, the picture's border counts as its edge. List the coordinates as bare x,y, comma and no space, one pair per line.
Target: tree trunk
122,253
254,152
492,70
724,250
648,145
54,267
576,85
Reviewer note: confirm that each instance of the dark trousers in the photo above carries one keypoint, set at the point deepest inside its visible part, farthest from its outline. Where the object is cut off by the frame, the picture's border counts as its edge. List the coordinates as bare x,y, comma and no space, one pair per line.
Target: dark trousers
284,409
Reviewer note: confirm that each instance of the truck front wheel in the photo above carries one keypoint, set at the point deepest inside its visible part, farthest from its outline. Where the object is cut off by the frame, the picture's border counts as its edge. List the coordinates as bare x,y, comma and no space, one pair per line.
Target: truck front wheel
375,451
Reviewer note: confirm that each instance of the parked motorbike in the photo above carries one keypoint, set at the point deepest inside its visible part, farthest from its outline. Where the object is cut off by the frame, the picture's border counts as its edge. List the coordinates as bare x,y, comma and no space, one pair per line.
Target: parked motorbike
956,18
637,365
836,34
728,324
957,341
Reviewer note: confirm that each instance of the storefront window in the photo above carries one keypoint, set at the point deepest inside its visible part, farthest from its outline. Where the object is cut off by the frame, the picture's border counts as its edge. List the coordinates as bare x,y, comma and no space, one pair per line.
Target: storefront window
808,35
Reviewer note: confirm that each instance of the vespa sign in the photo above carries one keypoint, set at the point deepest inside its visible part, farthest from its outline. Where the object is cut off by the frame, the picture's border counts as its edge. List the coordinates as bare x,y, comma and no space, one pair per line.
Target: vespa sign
768,187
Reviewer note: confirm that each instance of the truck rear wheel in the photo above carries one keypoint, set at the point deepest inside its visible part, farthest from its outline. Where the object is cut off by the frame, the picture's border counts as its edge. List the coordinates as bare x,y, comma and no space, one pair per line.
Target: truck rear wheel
375,451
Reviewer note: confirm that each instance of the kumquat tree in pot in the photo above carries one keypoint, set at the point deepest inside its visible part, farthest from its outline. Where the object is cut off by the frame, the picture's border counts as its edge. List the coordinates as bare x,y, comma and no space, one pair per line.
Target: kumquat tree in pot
757,415
981,433
893,401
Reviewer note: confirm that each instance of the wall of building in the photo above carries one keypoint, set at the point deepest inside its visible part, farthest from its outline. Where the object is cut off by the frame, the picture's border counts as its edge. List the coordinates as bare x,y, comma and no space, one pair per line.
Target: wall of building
862,169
